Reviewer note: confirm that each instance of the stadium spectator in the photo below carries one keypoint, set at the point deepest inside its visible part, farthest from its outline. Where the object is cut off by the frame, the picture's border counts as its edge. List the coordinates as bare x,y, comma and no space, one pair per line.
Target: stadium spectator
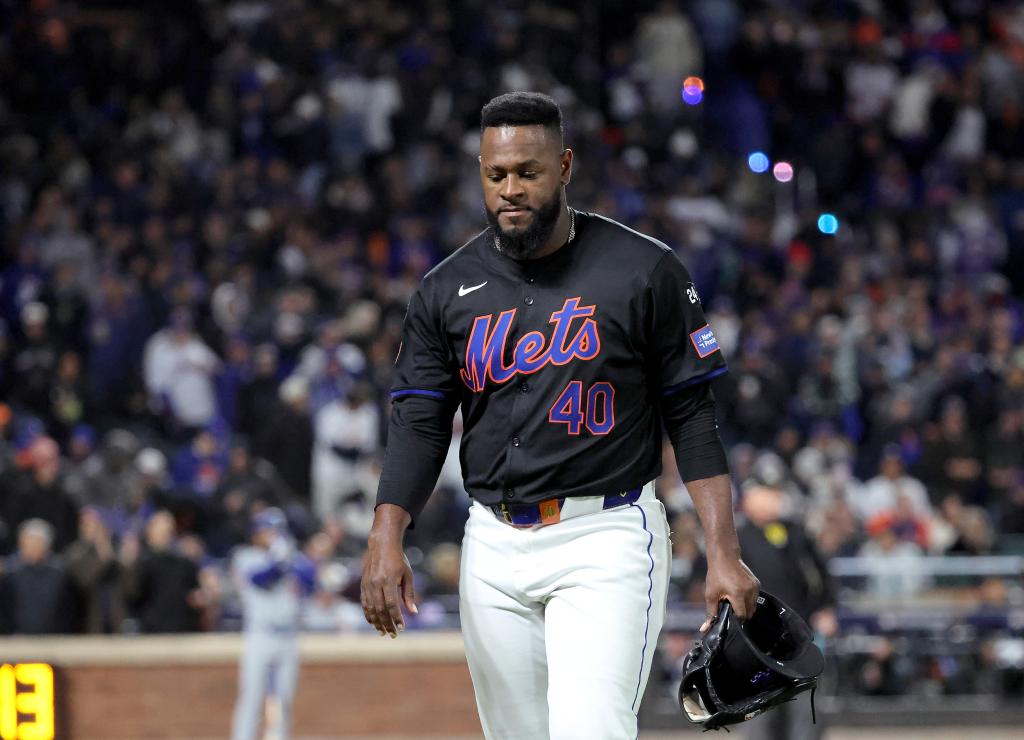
196,473
258,395
36,594
284,437
951,458
249,484
104,480
179,372
903,520
1011,508
161,584
40,493
881,493
784,558
96,573
974,534
894,564
347,433
34,363
150,490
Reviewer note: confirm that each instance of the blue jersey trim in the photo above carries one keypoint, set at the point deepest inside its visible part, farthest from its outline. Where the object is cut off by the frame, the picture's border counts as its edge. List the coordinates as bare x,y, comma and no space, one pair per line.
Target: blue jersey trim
266,577
650,603
417,392
694,381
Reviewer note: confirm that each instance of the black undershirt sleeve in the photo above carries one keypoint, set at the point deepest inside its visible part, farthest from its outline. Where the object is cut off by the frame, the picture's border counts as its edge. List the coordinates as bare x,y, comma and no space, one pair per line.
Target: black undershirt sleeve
689,418
419,433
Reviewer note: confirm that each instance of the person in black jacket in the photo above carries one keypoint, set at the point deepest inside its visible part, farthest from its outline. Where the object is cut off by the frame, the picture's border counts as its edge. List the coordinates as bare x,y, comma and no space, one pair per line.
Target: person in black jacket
36,593
284,437
95,572
784,557
162,585
40,493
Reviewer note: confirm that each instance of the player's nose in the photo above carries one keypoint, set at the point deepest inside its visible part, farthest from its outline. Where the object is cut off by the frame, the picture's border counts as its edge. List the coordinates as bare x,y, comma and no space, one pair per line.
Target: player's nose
512,188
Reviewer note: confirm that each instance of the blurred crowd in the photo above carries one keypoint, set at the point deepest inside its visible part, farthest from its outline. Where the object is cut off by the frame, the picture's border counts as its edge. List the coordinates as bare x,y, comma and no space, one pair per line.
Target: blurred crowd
213,214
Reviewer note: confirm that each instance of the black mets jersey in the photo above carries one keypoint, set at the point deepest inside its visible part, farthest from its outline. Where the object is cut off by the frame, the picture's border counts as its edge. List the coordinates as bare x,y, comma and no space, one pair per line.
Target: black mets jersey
559,362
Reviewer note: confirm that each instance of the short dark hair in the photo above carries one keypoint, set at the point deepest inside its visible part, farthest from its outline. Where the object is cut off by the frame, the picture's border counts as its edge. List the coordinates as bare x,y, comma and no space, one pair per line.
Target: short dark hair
522,109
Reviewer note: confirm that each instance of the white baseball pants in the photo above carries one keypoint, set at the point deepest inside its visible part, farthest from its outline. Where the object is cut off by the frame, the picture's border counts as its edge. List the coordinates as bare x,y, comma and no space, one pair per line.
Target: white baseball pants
560,622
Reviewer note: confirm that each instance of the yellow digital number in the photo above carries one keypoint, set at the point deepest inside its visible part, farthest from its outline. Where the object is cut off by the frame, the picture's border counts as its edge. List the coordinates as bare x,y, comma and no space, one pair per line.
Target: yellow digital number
8,706
37,702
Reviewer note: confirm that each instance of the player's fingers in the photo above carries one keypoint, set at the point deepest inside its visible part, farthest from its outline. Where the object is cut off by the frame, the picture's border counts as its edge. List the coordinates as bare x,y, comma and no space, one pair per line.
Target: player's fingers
394,621
409,592
365,597
385,619
364,601
372,597
370,612
388,613
712,599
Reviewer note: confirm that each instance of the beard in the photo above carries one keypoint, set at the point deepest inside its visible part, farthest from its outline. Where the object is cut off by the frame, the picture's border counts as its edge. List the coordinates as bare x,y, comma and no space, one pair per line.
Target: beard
522,243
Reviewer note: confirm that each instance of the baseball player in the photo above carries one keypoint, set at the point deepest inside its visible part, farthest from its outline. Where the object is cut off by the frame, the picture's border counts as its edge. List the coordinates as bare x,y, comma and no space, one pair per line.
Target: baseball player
272,578
568,340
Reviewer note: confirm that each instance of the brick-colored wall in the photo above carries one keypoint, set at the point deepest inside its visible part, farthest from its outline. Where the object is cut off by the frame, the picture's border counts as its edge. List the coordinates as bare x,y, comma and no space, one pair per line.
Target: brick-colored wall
357,699
362,688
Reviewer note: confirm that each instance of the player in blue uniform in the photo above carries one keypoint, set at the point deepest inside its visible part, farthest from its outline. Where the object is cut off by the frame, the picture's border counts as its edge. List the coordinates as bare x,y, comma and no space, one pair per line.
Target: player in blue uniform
272,578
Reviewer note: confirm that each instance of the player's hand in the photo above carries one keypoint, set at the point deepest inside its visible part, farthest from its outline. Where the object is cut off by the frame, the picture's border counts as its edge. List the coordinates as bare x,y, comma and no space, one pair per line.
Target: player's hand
729,578
282,547
387,581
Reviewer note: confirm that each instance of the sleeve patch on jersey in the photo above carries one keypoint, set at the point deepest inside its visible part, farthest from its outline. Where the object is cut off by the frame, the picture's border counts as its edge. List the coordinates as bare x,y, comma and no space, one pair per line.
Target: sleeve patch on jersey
704,341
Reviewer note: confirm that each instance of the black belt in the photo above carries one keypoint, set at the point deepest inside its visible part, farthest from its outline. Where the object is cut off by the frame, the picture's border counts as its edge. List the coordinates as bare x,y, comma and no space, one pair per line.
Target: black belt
549,511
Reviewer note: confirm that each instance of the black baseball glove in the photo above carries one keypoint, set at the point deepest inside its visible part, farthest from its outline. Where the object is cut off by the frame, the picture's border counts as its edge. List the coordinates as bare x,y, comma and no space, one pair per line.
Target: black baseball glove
737,671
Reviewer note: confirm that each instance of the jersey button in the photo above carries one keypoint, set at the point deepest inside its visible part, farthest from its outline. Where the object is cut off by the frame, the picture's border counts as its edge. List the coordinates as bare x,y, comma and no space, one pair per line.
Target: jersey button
508,494
524,387
528,301
515,441
529,279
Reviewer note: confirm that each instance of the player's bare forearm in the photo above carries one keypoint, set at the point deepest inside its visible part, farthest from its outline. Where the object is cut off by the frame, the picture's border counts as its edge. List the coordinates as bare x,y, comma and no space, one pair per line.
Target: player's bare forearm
728,576
390,520
712,498
387,576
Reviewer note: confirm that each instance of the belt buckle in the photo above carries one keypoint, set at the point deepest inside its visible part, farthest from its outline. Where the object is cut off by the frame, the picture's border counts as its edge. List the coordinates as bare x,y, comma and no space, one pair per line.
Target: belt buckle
506,513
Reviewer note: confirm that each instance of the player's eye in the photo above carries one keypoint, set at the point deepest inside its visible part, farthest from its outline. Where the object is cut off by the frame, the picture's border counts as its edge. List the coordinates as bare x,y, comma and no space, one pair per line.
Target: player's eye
495,178
529,175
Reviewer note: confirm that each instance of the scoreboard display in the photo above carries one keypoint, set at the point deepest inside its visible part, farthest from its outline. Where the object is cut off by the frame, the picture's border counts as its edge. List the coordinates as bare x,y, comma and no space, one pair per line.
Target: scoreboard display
26,702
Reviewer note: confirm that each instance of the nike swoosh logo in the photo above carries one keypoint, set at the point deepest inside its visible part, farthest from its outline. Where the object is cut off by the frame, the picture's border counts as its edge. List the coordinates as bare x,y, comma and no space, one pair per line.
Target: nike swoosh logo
463,290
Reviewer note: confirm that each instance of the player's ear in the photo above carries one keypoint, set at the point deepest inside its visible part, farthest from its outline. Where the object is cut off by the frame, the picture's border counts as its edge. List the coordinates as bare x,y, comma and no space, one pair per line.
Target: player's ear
565,171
